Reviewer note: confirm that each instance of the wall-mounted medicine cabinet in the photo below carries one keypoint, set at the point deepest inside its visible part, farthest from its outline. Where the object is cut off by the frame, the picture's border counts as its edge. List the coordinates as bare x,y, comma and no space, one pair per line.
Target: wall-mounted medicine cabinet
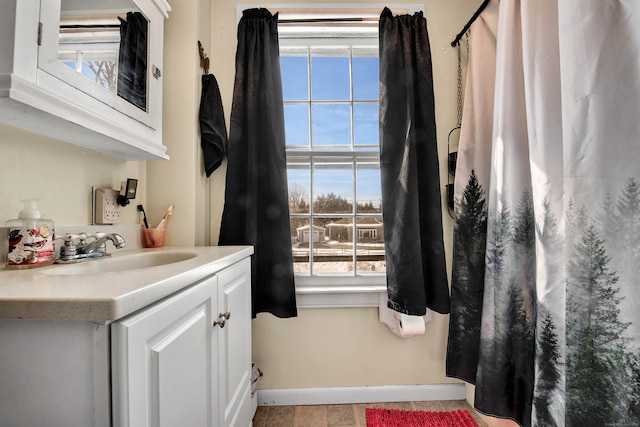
88,72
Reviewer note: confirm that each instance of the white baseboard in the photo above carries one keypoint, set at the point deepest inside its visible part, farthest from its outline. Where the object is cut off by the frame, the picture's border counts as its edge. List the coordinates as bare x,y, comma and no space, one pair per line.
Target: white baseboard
344,395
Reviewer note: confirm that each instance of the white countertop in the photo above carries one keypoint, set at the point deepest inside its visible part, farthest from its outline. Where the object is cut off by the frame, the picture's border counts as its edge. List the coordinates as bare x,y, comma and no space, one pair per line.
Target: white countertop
107,296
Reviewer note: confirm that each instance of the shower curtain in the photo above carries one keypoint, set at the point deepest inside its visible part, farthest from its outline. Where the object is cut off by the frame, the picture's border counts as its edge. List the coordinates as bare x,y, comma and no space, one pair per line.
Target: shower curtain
256,205
554,323
411,207
471,185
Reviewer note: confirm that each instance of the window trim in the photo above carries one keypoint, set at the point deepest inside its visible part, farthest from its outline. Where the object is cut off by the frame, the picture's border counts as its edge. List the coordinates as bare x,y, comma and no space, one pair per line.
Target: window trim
314,10
335,296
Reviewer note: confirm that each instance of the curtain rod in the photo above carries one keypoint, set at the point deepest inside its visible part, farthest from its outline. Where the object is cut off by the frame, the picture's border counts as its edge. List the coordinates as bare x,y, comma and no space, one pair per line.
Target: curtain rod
468,24
328,20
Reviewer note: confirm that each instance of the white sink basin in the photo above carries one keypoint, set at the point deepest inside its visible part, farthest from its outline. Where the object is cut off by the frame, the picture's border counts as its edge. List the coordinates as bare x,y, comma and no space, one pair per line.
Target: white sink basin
121,262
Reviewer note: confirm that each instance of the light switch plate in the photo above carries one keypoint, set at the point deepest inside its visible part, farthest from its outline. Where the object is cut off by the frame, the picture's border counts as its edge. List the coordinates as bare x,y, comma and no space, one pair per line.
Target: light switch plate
106,208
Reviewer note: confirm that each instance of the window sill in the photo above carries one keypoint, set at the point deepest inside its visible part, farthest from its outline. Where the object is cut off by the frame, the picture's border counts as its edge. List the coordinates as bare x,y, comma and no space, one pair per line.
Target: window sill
339,296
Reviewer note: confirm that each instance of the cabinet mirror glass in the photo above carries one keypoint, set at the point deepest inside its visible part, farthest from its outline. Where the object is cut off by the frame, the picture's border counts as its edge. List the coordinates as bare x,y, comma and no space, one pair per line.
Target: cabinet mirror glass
99,47
106,42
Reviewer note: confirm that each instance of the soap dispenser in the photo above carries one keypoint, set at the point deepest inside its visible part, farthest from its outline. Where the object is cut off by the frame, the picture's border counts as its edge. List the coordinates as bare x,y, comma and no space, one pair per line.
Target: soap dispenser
31,238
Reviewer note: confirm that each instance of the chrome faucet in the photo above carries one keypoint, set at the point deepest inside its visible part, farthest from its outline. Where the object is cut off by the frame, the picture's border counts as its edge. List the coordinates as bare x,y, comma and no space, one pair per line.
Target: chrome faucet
82,251
100,244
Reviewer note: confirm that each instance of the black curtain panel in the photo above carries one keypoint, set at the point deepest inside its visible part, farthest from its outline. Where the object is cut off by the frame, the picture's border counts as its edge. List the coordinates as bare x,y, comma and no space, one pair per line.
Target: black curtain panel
132,60
411,205
213,130
256,210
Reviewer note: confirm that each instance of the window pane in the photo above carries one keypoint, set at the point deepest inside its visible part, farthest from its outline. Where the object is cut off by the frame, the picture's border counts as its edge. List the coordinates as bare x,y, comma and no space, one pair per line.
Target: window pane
330,78
333,185
294,71
296,125
369,245
299,189
333,251
331,125
368,188
300,244
366,125
366,78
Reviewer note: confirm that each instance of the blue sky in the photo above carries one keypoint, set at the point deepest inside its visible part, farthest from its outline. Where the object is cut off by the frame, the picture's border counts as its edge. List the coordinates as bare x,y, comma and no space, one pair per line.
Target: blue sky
330,126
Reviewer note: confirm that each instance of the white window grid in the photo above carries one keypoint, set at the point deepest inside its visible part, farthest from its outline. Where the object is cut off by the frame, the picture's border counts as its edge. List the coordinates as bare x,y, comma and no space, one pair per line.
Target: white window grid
360,155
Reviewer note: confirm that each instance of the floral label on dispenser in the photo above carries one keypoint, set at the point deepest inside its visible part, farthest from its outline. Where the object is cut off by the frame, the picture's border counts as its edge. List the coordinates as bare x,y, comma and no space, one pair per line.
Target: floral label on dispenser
31,247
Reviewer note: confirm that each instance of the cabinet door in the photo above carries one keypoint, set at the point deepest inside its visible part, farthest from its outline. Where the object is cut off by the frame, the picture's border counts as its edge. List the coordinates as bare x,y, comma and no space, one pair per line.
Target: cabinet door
162,361
79,50
234,346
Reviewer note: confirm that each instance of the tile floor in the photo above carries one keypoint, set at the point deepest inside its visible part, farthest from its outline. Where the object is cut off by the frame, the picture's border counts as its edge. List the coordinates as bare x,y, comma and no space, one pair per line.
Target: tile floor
345,415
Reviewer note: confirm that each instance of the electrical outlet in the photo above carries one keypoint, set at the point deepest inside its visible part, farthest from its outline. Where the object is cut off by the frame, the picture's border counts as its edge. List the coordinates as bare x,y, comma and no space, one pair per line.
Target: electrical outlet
107,210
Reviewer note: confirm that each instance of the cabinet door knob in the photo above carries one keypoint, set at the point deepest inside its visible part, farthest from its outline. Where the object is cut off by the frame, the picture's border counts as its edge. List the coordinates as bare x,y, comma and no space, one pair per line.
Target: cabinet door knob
222,319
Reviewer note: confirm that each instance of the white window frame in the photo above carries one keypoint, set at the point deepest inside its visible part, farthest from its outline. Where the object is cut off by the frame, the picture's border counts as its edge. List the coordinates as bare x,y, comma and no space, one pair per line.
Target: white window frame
323,280
328,291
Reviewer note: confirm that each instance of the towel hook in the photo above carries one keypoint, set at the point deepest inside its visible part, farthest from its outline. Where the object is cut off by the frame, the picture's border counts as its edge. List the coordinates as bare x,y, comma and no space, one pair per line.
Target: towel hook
204,60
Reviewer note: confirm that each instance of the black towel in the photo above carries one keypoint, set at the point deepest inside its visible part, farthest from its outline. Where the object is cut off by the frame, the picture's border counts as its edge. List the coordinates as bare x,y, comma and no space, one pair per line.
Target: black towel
213,131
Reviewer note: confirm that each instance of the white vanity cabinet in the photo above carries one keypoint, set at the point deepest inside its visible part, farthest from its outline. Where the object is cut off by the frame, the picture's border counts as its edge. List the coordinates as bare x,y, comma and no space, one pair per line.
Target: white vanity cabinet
186,360
141,347
59,68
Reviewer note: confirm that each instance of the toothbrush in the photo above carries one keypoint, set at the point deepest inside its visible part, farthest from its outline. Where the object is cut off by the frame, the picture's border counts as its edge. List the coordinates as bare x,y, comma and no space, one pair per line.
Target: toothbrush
167,214
144,216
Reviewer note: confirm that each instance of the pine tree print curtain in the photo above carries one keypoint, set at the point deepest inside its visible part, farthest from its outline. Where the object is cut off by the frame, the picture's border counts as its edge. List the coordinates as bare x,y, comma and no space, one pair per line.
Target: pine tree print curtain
545,321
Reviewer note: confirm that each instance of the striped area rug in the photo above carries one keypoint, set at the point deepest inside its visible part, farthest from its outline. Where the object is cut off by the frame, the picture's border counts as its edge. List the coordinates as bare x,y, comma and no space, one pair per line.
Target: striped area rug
381,417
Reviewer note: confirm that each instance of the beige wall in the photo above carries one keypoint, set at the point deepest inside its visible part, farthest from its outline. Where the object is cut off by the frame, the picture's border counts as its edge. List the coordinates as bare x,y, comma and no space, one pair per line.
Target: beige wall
345,347
181,180
60,175
349,347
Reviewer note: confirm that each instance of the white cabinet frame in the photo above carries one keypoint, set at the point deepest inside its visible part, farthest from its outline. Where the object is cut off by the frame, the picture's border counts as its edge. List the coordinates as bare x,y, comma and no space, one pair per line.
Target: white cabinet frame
40,101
